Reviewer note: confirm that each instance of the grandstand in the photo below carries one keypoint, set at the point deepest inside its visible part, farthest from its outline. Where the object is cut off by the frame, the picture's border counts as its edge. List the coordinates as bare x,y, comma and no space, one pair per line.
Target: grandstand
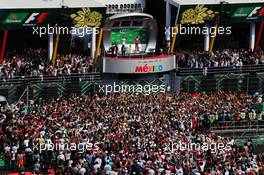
122,99
247,12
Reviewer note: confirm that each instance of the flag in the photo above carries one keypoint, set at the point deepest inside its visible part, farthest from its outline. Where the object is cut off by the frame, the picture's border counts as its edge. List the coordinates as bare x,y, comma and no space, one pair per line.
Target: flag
25,110
196,95
194,122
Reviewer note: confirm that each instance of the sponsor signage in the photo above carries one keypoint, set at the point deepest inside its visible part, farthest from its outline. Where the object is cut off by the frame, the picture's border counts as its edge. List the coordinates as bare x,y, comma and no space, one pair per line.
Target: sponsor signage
157,64
14,18
242,12
36,18
198,14
149,68
78,17
249,13
26,19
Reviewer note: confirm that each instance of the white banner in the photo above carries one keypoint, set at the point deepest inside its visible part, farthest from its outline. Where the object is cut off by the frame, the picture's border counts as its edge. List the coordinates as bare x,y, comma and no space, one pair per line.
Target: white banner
162,63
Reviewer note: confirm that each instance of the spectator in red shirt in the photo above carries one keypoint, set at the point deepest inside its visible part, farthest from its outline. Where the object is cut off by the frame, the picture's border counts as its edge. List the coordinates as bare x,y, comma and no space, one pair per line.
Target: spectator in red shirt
136,40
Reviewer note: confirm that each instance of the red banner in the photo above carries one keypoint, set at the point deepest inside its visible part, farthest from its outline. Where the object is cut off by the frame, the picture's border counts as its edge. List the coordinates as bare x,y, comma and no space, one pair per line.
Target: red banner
3,47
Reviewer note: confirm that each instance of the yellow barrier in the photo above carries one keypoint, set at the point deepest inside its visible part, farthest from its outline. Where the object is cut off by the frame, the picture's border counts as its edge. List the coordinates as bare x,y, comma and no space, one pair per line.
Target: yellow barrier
174,40
54,54
97,52
213,40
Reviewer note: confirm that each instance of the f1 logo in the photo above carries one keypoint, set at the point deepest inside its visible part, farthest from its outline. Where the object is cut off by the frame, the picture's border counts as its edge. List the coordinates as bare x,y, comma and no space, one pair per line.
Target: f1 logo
257,11
40,17
261,13
32,17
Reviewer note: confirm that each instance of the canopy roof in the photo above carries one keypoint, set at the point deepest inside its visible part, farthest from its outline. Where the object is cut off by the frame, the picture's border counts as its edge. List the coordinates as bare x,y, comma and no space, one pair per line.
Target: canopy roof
195,2
134,14
29,4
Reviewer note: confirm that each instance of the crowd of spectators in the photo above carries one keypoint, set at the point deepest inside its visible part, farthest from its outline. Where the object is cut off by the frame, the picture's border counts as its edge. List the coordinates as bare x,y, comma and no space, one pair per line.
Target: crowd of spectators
220,58
30,62
119,134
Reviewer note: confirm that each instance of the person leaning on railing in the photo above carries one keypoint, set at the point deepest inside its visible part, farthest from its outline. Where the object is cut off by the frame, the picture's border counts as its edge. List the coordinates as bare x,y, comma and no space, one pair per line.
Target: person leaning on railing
242,117
254,115
250,115
212,119
237,117
259,117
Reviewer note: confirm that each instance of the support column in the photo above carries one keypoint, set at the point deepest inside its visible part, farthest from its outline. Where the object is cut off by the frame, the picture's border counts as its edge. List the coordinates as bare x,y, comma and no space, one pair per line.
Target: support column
168,20
207,38
93,44
2,54
213,35
99,41
174,35
54,54
252,36
50,46
259,36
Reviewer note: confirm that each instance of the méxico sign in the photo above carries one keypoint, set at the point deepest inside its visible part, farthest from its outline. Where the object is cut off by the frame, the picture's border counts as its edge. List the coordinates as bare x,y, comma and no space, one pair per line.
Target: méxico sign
156,64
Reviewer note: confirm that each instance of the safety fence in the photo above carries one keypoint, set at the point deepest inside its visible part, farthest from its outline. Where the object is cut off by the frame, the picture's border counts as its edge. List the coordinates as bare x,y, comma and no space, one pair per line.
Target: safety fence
84,84
49,78
239,129
240,83
235,125
245,69
77,86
